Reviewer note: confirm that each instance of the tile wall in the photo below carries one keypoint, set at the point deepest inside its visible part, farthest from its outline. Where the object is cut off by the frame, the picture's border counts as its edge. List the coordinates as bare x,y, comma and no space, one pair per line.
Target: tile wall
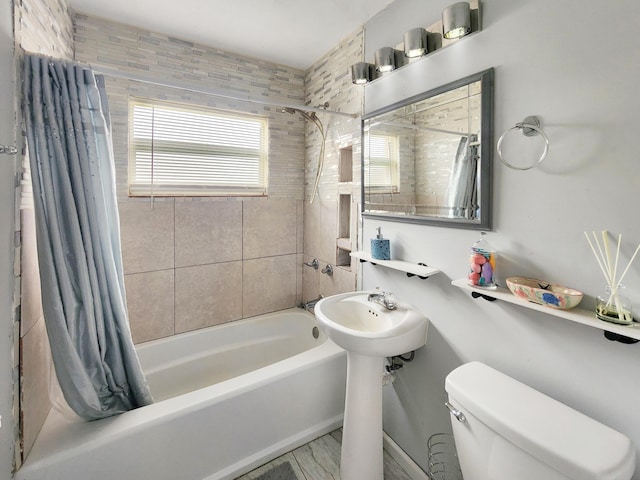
196,262
193,264
329,80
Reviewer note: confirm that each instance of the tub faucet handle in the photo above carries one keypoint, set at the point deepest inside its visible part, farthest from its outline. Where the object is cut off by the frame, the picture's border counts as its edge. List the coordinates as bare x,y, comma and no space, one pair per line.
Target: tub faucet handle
313,264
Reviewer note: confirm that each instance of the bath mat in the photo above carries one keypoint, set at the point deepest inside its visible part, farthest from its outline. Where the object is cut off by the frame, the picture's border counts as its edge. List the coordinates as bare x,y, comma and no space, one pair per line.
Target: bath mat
279,472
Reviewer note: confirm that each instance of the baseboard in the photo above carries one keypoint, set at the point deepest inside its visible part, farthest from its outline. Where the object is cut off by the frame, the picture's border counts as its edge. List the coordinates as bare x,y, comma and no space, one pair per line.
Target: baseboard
404,460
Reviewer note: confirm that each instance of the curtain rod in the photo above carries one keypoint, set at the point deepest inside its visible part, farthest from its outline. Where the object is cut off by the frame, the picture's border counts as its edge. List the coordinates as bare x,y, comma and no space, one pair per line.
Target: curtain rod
190,88
420,127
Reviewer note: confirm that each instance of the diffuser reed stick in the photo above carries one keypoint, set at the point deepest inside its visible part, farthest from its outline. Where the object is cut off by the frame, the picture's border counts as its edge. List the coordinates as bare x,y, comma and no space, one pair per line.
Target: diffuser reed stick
620,313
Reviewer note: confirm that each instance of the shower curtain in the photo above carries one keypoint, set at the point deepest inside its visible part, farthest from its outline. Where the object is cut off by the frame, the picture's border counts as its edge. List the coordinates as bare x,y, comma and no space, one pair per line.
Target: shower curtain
462,198
77,227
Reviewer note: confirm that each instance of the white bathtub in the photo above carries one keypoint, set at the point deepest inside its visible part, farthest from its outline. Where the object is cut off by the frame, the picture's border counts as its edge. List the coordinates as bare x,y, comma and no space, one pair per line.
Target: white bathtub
228,398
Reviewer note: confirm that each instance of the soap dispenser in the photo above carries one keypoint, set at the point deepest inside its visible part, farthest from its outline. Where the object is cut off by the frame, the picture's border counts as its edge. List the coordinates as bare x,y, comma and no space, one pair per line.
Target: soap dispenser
380,249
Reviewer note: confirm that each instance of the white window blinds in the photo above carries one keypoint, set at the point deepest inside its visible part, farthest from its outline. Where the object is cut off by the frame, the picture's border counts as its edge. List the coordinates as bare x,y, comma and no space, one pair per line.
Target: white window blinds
177,150
382,169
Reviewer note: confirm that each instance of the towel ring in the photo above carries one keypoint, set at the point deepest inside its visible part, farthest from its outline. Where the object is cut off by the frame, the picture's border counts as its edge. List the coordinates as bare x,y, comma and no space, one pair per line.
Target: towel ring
530,127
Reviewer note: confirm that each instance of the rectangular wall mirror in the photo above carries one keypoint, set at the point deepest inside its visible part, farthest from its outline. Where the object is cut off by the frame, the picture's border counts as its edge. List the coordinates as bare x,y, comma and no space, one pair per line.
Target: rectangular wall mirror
428,159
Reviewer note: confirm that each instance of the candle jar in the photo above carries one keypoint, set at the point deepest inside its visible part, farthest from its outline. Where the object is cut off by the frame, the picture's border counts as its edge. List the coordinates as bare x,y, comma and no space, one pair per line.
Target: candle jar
614,306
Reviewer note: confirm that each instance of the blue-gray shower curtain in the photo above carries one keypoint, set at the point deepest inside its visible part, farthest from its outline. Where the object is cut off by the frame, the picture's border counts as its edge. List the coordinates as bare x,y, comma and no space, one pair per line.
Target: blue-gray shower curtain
78,235
462,196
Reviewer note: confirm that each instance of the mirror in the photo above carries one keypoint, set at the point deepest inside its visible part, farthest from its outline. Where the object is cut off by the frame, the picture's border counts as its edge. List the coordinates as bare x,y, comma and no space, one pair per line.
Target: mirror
428,160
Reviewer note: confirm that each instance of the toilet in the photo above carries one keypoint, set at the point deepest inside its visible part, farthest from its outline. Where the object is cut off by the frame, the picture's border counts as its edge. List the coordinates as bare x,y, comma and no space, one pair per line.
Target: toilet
505,430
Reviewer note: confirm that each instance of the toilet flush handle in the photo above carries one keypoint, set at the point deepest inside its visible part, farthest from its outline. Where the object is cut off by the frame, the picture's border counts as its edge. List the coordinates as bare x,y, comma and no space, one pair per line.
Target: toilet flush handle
456,413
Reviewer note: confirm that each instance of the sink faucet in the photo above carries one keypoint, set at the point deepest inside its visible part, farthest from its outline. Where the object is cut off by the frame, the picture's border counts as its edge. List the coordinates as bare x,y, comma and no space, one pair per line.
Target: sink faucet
387,299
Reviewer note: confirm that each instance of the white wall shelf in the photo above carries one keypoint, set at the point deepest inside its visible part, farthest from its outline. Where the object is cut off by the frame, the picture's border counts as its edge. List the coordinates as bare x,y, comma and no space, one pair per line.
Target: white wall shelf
578,315
411,269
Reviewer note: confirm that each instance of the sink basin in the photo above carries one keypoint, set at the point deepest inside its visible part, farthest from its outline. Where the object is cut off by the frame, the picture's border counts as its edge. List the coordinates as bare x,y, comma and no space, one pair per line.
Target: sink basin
368,328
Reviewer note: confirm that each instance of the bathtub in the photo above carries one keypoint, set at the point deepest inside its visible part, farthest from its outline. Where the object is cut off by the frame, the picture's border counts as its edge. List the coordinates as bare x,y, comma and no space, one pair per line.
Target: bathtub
227,399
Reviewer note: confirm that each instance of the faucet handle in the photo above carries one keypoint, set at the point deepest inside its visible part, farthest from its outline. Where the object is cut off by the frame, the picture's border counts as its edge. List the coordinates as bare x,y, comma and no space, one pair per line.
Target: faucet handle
390,300
313,263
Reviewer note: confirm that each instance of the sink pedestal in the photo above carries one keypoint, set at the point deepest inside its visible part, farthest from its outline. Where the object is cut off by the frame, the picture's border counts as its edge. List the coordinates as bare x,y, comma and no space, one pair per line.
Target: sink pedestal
361,456
369,332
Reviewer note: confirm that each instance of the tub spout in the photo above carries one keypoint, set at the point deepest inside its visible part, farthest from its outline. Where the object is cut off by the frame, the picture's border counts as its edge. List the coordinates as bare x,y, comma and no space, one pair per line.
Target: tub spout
308,306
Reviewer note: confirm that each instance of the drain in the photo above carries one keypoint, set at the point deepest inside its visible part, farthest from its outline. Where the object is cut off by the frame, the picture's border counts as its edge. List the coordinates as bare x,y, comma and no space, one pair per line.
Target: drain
315,332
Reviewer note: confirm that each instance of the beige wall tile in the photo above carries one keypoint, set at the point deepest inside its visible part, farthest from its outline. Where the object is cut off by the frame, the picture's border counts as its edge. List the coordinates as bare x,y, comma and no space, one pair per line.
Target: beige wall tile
147,235
36,365
310,281
269,284
300,226
208,231
31,300
208,295
312,230
270,227
320,229
341,281
150,304
299,259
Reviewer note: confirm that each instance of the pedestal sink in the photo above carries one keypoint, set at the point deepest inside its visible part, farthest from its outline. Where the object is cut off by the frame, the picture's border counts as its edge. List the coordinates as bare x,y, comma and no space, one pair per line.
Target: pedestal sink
369,332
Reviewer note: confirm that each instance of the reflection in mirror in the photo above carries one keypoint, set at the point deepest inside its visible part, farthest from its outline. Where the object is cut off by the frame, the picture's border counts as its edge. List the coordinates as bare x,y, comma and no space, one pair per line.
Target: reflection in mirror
427,159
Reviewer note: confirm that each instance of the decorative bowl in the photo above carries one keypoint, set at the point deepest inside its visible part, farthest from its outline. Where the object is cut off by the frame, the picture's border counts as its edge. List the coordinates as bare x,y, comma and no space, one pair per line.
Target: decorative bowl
544,293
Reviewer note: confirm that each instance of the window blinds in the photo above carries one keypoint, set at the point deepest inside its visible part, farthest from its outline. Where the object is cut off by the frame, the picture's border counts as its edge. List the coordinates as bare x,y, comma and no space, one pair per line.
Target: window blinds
383,156
184,150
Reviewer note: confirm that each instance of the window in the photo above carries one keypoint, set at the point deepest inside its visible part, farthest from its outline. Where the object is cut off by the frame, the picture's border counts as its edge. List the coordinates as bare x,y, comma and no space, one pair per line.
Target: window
383,163
177,150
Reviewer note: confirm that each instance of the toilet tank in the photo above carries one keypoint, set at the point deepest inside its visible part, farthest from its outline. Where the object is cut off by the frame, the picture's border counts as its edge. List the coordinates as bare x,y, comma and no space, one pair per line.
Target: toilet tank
512,431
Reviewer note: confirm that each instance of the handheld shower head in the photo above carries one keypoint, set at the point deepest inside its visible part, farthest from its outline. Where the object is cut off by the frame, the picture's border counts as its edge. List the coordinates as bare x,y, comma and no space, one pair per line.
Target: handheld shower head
312,117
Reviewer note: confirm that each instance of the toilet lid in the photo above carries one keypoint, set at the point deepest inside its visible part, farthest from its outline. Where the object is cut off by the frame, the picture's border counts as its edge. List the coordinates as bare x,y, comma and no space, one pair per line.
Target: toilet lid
563,438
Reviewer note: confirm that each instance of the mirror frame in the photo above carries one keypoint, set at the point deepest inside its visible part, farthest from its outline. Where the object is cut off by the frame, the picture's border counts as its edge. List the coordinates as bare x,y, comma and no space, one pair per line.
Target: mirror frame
484,222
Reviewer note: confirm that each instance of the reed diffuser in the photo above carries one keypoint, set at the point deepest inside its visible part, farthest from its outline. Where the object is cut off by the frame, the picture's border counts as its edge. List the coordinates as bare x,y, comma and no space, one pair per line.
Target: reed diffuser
613,306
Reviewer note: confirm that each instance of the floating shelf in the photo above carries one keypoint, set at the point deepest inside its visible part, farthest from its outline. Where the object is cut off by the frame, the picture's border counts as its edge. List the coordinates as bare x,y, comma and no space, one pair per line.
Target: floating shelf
411,269
578,315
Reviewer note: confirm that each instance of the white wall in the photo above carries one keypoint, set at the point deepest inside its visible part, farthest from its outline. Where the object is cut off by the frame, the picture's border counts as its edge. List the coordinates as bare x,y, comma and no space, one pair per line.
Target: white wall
575,64
7,227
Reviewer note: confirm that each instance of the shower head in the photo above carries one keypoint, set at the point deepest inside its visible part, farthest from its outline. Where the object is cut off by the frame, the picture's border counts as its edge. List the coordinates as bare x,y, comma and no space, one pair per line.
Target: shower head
311,116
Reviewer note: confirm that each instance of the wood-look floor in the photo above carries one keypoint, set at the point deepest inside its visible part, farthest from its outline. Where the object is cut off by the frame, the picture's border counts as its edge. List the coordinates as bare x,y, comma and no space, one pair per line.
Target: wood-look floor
320,460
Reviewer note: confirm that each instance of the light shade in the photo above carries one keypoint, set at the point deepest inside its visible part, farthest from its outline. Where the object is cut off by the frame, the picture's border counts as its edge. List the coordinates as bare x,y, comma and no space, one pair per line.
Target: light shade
361,73
415,42
456,20
385,59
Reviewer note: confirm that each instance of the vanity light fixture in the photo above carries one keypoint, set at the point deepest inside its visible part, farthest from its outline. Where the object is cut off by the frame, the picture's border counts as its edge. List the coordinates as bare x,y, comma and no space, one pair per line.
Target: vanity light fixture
415,42
362,72
385,58
456,20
